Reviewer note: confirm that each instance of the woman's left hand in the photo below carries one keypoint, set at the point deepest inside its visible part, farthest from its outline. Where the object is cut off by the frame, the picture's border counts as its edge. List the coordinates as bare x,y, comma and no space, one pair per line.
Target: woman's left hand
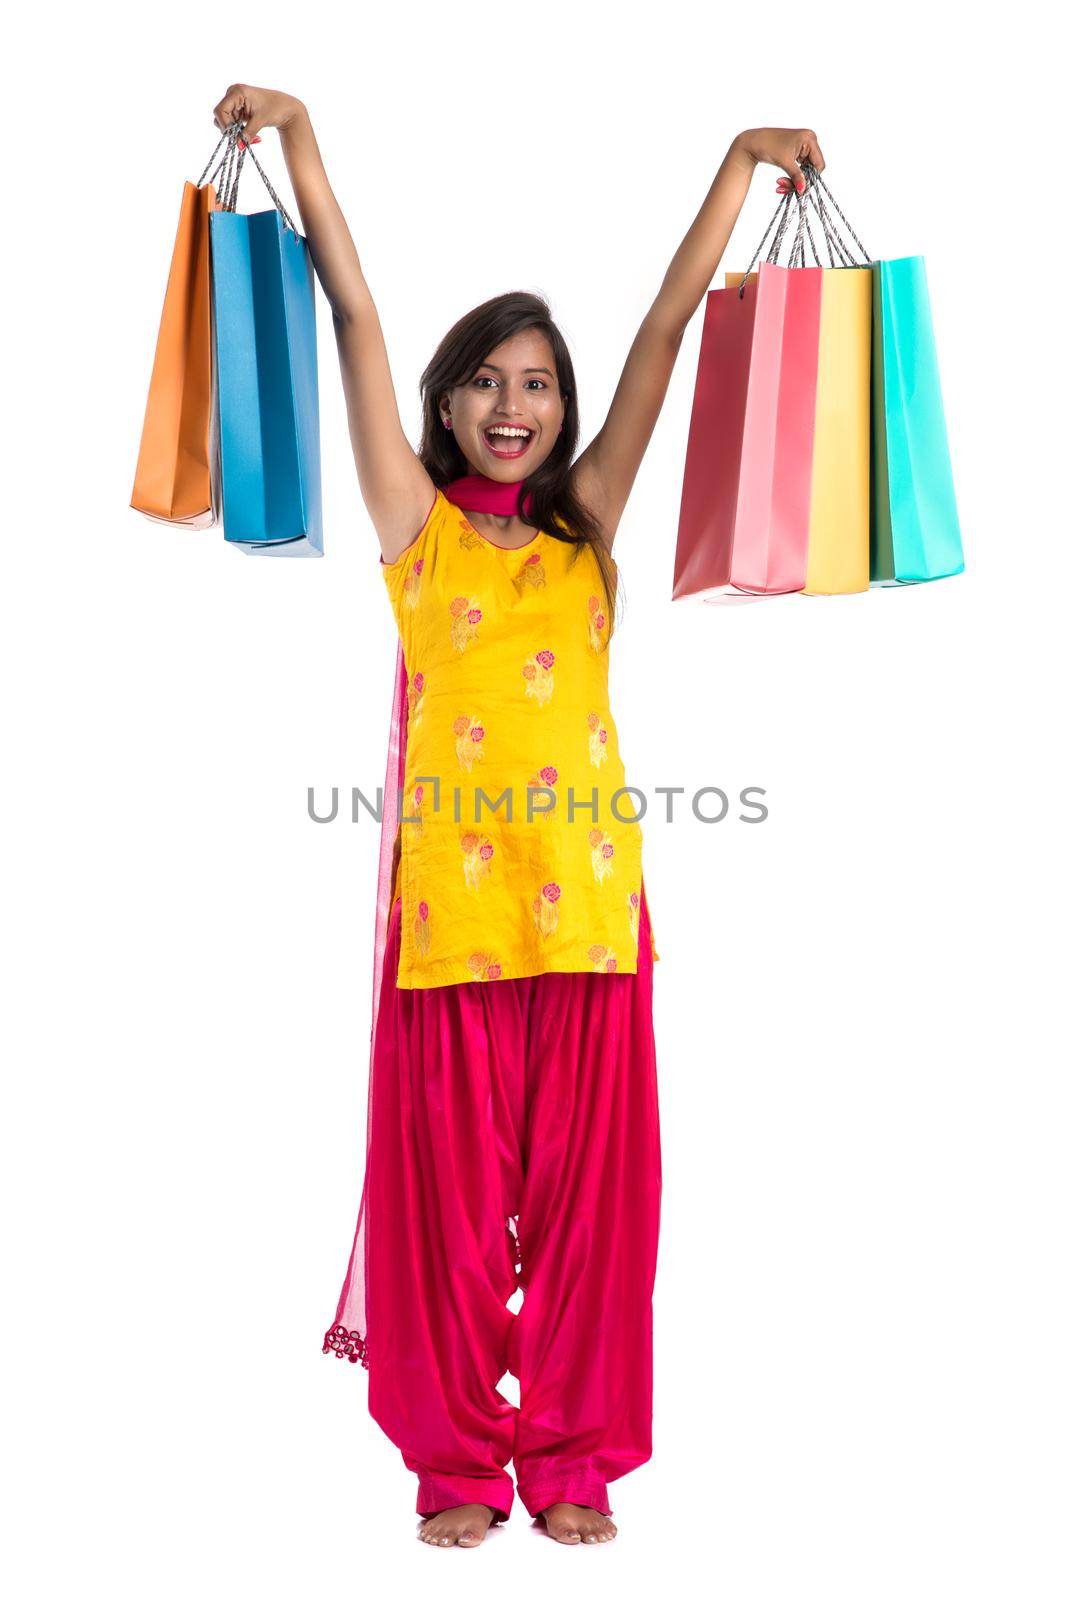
785,148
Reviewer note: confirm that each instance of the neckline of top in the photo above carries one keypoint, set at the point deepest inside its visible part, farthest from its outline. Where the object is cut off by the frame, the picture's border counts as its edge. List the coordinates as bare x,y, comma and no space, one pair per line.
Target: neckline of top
508,549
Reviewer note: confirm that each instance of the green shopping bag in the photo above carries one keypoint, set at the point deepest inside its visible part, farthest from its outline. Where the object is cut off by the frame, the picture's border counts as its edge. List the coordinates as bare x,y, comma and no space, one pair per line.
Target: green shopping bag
915,531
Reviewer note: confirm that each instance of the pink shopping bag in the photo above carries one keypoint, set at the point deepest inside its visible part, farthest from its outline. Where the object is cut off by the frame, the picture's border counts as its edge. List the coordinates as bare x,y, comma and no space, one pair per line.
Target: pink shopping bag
748,475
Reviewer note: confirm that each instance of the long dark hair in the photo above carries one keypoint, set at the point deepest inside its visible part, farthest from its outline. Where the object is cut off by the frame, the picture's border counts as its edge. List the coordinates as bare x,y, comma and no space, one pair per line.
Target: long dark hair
555,506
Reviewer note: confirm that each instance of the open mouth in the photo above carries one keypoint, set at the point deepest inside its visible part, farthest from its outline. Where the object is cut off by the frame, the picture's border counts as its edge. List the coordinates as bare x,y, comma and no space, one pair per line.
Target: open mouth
507,442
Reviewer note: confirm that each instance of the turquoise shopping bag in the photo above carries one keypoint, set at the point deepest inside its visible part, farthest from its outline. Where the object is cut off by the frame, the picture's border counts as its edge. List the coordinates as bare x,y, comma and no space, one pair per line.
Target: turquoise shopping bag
915,531
267,396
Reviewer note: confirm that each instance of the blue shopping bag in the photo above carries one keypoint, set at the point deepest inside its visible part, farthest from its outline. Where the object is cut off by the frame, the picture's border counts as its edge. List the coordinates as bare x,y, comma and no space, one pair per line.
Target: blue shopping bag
266,410
915,531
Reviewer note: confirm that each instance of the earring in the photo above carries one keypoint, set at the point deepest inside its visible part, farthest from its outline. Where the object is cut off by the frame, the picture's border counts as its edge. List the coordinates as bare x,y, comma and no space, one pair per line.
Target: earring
446,421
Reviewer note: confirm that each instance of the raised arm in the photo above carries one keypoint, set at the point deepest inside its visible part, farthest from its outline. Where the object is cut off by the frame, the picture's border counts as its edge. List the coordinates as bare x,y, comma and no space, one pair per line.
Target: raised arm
604,474
397,489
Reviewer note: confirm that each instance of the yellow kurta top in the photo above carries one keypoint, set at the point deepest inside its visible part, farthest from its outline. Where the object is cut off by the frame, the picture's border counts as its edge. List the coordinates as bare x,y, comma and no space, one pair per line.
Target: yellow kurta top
506,653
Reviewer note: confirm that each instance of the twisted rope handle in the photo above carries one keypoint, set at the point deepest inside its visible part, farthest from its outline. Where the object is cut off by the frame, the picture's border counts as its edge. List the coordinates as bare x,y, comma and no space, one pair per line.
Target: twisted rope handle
784,207
222,175
268,185
231,166
780,232
830,233
815,180
230,169
797,250
813,194
211,158
808,229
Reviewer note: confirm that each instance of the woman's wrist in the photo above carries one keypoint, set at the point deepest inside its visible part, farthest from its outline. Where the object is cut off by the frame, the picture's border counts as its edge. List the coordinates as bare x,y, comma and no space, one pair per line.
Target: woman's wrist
294,111
742,147
295,132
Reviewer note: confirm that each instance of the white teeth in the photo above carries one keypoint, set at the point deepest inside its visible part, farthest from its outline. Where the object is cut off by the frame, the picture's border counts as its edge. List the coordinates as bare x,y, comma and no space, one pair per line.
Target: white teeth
510,433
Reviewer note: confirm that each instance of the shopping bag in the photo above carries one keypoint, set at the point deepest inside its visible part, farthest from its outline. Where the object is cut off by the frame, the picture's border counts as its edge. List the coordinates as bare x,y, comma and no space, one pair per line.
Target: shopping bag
267,398
881,505
743,518
839,514
172,481
915,531
839,505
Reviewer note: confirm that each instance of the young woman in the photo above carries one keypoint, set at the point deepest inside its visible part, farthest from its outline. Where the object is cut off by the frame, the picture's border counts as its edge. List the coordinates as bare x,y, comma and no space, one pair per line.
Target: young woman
513,1130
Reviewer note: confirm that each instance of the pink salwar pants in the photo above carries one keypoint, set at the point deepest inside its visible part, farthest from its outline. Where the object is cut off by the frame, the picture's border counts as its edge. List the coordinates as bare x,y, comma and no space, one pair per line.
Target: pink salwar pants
514,1141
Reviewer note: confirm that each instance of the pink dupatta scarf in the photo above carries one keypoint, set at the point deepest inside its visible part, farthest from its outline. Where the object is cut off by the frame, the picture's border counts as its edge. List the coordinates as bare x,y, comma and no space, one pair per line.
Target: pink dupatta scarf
347,1336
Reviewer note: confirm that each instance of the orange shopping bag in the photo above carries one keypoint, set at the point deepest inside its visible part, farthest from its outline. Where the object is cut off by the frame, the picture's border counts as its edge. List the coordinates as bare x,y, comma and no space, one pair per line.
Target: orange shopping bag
173,478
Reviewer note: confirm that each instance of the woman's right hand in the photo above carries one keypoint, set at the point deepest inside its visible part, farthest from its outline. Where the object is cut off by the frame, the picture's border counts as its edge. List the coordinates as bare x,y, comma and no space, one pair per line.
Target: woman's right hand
256,108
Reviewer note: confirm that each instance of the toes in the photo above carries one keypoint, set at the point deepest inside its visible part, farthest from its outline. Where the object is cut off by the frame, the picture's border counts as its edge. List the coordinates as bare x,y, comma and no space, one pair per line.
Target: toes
433,1533
448,1528
442,1531
572,1527
599,1532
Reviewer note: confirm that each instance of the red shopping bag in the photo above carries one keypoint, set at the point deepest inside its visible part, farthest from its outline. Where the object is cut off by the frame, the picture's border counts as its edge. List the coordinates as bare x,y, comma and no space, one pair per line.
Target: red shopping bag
748,475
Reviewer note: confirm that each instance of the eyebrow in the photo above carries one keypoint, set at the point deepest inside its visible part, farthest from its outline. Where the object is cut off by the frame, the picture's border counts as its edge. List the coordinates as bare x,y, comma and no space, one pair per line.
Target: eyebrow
492,368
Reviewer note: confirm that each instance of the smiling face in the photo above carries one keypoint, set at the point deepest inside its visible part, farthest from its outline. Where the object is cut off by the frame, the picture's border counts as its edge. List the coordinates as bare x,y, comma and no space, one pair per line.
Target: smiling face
515,390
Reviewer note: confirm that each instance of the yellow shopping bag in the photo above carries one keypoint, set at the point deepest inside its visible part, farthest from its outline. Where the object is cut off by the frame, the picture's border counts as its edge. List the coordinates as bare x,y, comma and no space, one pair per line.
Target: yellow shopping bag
838,529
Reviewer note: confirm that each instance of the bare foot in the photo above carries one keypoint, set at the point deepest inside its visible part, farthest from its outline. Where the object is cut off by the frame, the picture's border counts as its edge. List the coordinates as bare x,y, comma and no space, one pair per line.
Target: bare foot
577,1524
465,1525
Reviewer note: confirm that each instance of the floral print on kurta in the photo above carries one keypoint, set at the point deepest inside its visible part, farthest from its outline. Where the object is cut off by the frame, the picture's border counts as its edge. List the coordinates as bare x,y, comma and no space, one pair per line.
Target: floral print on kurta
603,957
421,933
546,908
507,660
531,574
602,853
477,852
482,966
469,736
541,797
410,588
414,812
597,622
416,687
538,676
466,614
634,907
598,739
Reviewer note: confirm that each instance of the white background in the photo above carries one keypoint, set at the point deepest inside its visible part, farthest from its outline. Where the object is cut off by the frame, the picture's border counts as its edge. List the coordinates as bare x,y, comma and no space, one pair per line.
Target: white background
860,1308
